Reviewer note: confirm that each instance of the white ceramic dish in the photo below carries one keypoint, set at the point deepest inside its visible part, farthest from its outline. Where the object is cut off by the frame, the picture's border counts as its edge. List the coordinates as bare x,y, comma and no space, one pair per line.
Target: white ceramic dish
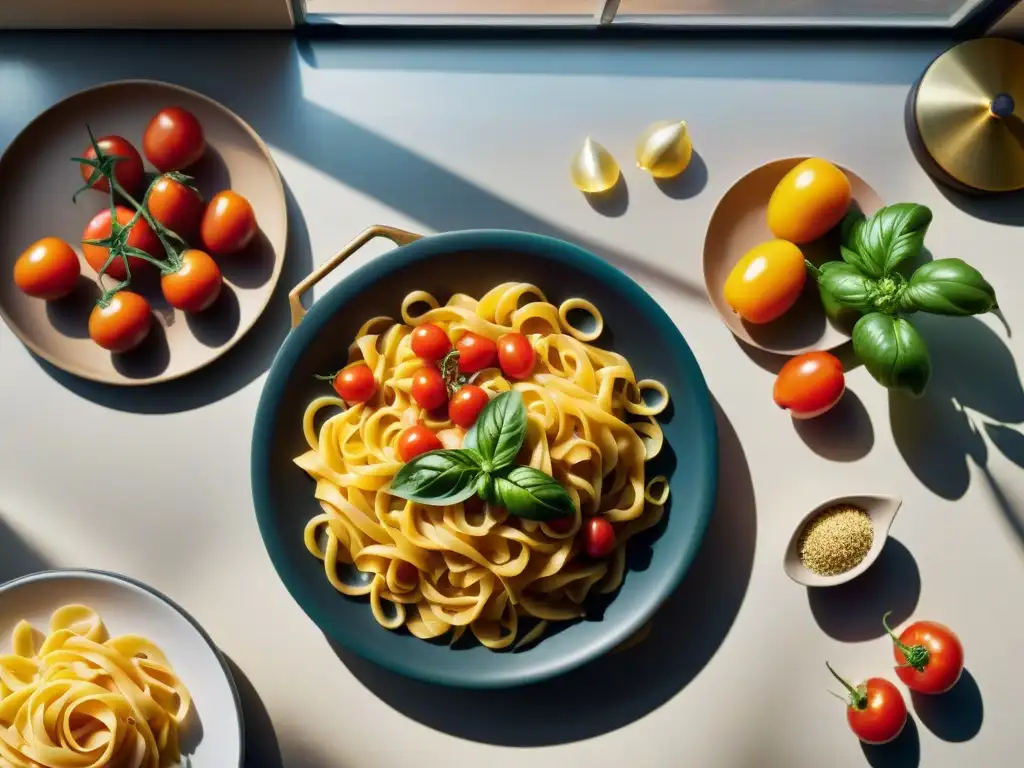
880,508
213,737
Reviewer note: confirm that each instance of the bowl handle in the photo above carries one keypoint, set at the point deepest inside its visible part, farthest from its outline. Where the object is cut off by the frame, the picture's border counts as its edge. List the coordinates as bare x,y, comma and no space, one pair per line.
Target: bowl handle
397,236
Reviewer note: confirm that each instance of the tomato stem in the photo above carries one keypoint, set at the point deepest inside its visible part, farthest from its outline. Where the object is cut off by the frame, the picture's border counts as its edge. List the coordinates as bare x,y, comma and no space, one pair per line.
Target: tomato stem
116,243
858,695
449,366
917,656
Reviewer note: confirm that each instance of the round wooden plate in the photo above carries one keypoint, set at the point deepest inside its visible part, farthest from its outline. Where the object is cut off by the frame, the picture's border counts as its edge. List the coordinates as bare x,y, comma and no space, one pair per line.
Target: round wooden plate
37,180
737,225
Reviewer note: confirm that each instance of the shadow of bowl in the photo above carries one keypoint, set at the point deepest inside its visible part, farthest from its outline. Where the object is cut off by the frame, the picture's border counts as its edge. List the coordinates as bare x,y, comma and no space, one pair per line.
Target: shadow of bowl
852,612
643,677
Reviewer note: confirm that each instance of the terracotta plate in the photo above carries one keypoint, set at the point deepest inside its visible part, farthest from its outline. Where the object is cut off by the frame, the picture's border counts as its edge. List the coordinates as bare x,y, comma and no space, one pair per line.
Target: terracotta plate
37,180
737,225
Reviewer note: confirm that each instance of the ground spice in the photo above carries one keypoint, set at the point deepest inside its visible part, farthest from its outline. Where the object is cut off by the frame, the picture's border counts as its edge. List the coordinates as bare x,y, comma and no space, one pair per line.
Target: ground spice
837,540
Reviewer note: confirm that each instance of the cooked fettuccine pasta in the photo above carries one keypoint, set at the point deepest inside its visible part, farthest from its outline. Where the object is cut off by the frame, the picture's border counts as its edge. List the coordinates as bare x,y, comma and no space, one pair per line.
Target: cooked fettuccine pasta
81,699
440,569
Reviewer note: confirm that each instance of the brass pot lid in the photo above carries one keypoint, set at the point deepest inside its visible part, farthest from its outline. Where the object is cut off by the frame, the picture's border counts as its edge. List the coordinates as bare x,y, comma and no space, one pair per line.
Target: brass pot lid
968,111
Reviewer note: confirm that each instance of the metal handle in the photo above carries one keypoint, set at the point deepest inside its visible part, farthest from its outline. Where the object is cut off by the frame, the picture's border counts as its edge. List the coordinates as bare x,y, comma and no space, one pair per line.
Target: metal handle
397,236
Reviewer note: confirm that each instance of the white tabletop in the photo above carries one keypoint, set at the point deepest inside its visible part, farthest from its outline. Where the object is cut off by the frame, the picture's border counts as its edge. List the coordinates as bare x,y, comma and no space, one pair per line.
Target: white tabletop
433,137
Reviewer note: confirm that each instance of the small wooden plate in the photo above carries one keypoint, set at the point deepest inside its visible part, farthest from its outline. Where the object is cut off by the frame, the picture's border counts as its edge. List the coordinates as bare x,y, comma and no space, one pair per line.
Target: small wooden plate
37,179
737,225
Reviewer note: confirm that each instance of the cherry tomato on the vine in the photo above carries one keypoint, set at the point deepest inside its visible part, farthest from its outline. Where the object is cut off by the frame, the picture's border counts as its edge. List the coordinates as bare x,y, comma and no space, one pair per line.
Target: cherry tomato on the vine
122,324
129,172
516,356
141,237
177,206
476,352
466,405
875,711
173,139
229,223
599,537
428,388
355,383
48,269
430,342
196,285
930,656
810,384
416,440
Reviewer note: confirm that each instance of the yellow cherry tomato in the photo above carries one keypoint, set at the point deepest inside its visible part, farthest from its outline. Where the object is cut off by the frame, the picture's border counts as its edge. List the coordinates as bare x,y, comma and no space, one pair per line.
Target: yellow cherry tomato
766,282
810,200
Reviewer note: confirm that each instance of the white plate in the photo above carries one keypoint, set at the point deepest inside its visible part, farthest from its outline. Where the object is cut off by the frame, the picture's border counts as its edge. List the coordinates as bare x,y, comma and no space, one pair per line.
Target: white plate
213,737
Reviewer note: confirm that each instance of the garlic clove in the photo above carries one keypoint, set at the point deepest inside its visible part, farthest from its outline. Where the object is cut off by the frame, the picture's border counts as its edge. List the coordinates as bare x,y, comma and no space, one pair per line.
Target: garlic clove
593,169
664,149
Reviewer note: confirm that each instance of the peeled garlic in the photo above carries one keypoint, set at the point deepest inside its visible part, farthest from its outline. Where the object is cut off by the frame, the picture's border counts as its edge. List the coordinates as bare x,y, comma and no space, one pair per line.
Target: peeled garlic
593,169
664,149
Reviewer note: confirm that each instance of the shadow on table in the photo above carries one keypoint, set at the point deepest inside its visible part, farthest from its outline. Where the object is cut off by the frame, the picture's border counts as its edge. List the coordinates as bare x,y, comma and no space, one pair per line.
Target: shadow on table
954,716
261,747
250,357
843,434
686,633
17,557
902,752
935,434
853,611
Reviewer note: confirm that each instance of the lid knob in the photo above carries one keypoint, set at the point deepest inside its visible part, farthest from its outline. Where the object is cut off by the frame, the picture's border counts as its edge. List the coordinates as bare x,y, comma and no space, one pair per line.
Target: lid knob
1003,105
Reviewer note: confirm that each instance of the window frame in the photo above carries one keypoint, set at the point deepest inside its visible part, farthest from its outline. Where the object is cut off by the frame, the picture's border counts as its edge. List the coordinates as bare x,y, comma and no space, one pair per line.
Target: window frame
974,23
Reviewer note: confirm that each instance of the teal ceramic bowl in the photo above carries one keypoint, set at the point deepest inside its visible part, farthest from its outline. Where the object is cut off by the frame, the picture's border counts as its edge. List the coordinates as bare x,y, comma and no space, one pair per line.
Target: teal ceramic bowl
472,262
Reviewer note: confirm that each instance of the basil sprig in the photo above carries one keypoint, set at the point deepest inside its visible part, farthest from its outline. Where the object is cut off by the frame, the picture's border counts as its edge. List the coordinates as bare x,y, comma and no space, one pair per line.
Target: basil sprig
484,465
868,284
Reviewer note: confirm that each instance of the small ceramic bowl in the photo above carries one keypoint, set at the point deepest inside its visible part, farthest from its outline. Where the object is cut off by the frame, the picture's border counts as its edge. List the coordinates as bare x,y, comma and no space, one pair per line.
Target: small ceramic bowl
880,508
737,225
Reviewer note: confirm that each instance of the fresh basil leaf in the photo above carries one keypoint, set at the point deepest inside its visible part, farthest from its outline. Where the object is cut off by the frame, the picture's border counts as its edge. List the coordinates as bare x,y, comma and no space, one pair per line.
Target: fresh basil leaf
848,227
892,235
499,431
948,287
485,487
893,352
858,262
529,493
438,478
846,285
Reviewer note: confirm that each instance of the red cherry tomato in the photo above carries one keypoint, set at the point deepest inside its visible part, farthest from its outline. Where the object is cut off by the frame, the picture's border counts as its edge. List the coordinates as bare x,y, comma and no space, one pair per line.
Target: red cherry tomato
466,405
177,206
196,285
141,237
122,324
129,172
599,537
810,384
407,573
355,383
228,225
173,139
476,352
430,342
930,656
48,269
516,355
416,440
876,711
428,388
561,524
